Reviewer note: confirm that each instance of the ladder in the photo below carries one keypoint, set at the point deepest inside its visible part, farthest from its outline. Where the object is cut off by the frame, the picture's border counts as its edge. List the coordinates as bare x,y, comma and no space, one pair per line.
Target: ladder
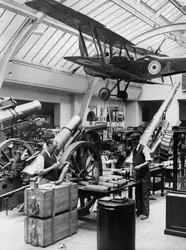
116,115
121,114
112,115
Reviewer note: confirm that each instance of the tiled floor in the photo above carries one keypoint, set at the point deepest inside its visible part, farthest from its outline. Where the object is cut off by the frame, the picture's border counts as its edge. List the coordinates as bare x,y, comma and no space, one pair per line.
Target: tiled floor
149,233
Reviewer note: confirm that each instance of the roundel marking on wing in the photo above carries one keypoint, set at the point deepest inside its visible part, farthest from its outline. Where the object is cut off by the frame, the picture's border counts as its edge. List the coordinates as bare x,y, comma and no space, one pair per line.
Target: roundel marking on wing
154,67
87,62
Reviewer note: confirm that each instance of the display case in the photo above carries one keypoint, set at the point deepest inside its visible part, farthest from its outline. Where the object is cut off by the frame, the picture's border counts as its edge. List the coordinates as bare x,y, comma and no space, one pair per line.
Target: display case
176,199
179,159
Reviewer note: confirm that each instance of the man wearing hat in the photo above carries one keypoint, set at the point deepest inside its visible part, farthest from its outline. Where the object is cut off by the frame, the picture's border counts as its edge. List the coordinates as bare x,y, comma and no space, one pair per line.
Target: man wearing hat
140,159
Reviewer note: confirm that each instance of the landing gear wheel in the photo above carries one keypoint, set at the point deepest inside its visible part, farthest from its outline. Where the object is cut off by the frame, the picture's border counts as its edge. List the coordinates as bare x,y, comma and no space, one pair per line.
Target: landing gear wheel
123,95
104,94
85,165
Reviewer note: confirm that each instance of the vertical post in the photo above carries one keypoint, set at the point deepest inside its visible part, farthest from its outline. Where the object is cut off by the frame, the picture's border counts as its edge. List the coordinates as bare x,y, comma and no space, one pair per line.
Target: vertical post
87,97
175,160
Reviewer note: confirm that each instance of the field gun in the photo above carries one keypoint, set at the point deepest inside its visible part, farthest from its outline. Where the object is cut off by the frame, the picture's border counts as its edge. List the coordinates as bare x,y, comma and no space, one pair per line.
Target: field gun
154,132
75,146
13,151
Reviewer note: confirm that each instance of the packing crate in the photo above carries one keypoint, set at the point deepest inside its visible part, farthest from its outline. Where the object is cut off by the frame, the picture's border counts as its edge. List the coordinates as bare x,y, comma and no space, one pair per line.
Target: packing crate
44,232
39,202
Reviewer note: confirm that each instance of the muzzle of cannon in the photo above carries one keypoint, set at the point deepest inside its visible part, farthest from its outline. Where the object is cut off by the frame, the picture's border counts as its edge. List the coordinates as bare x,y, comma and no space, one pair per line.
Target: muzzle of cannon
159,116
68,131
9,116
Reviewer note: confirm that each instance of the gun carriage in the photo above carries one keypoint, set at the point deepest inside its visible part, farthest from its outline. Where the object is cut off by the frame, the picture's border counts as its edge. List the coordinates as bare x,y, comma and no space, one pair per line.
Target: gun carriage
76,145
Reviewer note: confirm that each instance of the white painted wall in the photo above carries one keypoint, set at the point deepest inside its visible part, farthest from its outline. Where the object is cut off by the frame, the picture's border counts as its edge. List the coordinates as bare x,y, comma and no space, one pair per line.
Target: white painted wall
132,113
46,77
173,113
29,82
160,92
65,114
62,113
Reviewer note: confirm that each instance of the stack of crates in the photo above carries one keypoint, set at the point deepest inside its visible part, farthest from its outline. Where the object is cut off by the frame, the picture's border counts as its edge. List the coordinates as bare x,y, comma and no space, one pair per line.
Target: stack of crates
51,213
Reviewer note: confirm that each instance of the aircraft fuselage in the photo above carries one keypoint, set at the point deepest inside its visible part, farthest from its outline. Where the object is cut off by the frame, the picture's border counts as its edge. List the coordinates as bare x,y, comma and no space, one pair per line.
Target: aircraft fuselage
151,67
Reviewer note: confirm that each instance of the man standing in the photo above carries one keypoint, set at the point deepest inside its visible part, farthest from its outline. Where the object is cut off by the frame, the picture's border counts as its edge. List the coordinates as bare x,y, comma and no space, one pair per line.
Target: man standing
140,158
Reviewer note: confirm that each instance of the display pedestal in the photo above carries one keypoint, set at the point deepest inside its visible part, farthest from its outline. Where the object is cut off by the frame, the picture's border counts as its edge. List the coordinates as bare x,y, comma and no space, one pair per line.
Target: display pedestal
175,214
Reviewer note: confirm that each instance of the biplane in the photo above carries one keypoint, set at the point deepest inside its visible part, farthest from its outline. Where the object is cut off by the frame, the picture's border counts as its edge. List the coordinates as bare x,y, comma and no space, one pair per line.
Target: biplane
116,57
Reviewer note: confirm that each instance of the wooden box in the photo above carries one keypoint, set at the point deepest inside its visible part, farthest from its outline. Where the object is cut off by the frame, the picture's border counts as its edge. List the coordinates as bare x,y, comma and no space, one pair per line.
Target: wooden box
41,201
44,232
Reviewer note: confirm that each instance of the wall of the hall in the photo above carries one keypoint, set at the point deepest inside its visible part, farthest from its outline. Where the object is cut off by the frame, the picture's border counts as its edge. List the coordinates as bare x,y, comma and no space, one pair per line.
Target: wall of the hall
46,77
25,81
152,96
30,82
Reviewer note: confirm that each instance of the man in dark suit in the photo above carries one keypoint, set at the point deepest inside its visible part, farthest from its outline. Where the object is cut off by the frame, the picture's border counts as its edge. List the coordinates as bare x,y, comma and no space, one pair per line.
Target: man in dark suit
140,159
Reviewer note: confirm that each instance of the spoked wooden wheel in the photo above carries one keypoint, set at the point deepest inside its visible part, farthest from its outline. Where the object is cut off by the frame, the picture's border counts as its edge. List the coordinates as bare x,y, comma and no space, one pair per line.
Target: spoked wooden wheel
93,137
12,154
85,165
12,158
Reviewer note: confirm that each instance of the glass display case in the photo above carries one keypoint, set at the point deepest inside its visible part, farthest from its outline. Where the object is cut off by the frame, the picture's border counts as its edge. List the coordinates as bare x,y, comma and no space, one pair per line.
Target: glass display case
179,159
176,199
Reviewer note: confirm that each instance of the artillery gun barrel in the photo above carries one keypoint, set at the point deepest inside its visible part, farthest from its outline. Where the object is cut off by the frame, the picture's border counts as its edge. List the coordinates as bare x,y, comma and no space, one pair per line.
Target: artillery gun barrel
68,131
157,119
27,108
9,116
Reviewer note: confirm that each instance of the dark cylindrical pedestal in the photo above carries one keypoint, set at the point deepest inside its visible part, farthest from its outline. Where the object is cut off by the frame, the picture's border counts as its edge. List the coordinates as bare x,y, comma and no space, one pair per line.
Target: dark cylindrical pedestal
116,223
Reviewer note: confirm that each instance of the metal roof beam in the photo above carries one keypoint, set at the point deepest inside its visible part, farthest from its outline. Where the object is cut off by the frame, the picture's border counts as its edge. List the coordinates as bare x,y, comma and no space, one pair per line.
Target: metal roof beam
17,8
147,15
178,6
33,15
21,35
159,31
141,11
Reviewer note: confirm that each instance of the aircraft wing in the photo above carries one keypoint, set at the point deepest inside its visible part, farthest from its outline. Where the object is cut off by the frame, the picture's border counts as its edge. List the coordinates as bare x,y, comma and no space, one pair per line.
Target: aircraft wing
77,21
106,69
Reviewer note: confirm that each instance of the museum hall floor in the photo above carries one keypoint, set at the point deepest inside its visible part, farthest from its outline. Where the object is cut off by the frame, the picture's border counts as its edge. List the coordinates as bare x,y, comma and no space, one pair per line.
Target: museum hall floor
149,233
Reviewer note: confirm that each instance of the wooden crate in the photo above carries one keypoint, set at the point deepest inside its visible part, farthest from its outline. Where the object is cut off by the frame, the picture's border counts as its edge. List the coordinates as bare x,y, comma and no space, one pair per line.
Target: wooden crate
44,232
40,202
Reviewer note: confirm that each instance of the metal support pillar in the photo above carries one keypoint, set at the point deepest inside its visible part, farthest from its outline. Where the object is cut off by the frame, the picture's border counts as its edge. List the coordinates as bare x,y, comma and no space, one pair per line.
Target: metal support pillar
87,97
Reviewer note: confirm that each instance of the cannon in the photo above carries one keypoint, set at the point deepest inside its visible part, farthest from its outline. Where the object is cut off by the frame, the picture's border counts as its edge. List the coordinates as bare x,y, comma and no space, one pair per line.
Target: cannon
10,114
80,148
13,151
155,131
76,145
